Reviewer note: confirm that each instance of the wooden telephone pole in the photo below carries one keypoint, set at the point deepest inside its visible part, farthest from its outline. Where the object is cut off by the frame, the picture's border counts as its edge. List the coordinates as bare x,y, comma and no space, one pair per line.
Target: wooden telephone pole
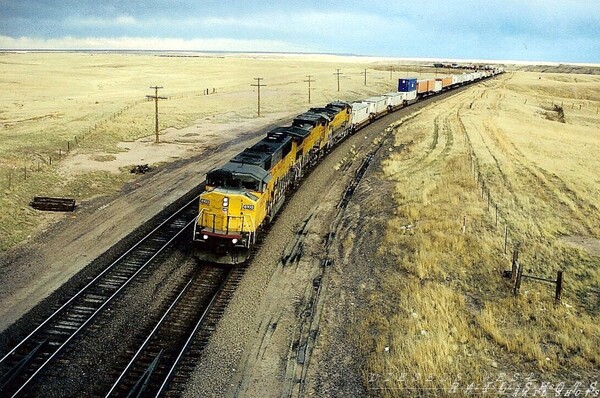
338,73
309,81
365,73
155,97
258,79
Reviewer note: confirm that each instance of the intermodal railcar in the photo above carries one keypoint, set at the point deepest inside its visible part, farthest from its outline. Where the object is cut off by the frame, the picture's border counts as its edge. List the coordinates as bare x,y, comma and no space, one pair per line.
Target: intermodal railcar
242,196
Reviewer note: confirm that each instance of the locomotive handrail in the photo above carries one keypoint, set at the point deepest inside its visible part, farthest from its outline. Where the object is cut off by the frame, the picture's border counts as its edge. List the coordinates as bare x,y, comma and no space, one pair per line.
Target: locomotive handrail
252,233
196,224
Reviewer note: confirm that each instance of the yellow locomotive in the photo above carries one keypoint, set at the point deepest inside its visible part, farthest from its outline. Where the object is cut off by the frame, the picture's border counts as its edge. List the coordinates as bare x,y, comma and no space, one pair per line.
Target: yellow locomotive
246,193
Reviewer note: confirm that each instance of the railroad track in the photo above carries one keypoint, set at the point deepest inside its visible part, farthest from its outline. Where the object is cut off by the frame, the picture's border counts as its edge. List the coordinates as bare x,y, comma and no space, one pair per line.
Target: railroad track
20,366
166,357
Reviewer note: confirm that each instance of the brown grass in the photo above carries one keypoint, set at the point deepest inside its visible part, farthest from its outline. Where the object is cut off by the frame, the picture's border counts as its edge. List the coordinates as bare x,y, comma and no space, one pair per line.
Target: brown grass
454,314
96,101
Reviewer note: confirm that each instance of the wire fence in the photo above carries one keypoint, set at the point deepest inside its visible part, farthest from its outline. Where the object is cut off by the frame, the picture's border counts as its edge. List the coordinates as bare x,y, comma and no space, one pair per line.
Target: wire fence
21,171
590,295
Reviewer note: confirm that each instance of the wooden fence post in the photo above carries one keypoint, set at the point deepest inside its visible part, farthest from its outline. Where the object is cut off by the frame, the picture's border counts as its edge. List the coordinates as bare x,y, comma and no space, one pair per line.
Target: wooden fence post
515,259
518,280
513,272
505,238
496,214
559,281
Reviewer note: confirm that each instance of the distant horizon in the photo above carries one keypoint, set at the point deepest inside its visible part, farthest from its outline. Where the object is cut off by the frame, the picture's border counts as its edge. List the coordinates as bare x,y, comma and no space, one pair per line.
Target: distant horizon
533,31
372,57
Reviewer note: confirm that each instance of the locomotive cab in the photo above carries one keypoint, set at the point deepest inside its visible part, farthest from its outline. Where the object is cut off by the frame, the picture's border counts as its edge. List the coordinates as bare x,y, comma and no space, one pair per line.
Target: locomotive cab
228,212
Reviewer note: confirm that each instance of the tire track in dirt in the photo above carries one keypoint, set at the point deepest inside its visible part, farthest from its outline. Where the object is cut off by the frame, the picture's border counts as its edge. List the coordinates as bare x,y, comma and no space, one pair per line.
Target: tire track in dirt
498,164
449,134
555,188
507,184
442,142
498,147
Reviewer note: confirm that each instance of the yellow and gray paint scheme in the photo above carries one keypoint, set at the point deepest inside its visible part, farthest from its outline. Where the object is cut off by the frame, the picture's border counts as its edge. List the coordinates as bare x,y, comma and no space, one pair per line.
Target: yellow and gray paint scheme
244,195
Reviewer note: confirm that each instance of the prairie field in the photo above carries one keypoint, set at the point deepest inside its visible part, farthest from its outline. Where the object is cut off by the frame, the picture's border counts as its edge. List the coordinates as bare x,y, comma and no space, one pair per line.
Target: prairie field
494,162
509,163
73,124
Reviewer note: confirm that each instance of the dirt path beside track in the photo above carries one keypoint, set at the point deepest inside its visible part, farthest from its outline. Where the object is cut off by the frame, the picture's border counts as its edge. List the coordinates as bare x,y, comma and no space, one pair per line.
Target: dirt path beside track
277,334
32,271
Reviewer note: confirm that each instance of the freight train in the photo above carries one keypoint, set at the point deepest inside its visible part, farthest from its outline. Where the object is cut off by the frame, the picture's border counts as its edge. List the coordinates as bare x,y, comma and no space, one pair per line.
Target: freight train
244,195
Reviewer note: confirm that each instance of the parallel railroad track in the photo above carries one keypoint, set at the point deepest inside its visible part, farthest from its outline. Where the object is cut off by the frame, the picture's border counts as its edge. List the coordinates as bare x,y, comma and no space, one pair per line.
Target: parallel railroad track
36,351
166,357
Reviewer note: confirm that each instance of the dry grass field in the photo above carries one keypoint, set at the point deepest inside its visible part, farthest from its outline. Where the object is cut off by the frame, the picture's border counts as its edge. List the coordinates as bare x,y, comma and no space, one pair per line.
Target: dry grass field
94,105
445,317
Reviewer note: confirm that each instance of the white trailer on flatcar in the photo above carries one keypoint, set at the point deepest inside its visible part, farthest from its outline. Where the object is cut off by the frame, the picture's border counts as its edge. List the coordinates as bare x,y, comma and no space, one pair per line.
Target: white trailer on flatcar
360,115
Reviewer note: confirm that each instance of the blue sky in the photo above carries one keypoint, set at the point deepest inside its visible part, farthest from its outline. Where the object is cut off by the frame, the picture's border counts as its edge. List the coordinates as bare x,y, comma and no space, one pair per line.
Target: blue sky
534,30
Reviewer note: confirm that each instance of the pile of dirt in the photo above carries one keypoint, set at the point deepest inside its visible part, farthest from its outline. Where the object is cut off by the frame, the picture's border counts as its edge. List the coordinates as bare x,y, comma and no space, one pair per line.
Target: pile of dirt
556,114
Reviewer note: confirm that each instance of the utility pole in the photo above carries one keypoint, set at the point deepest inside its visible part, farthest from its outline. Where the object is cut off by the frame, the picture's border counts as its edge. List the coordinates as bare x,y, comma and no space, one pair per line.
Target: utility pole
338,73
391,70
309,81
365,73
258,79
155,97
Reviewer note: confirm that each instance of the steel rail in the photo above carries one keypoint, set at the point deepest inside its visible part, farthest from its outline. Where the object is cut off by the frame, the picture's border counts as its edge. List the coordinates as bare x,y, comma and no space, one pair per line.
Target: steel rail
145,343
91,283
76,332
190,338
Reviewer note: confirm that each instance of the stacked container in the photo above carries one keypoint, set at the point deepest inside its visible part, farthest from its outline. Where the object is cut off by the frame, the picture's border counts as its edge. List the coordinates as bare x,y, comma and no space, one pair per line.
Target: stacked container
407,85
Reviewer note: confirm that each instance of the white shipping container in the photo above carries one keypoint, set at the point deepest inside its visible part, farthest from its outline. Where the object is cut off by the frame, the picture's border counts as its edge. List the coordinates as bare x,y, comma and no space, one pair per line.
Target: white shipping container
377,105
437,87
455,79
395,99
360,113
410,95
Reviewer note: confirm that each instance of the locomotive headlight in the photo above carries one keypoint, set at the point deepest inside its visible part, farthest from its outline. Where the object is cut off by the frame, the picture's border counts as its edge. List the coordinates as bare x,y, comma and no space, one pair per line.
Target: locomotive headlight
205,237
225,202
234,241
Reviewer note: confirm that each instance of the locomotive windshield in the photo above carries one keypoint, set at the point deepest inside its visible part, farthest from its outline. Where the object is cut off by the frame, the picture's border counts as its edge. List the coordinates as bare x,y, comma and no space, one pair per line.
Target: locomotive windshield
233,181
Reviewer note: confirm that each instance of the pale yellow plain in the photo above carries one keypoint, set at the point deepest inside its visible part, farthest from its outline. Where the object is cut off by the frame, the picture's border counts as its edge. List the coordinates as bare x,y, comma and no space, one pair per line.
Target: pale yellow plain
95,105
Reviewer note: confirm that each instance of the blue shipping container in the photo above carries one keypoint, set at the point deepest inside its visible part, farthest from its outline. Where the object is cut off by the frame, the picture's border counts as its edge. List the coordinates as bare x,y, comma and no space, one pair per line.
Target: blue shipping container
408,84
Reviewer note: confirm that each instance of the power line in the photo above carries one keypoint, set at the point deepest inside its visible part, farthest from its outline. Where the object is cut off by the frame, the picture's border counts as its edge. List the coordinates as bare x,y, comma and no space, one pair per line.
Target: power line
309,81
258,79
338,73
155,97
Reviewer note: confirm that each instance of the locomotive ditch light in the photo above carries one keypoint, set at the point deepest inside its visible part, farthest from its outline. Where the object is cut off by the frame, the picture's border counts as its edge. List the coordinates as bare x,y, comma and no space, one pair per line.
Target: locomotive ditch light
234,241
205,237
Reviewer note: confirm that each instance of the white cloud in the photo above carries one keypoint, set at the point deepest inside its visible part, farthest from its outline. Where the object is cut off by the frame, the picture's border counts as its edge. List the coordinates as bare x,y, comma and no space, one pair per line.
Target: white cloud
144,43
